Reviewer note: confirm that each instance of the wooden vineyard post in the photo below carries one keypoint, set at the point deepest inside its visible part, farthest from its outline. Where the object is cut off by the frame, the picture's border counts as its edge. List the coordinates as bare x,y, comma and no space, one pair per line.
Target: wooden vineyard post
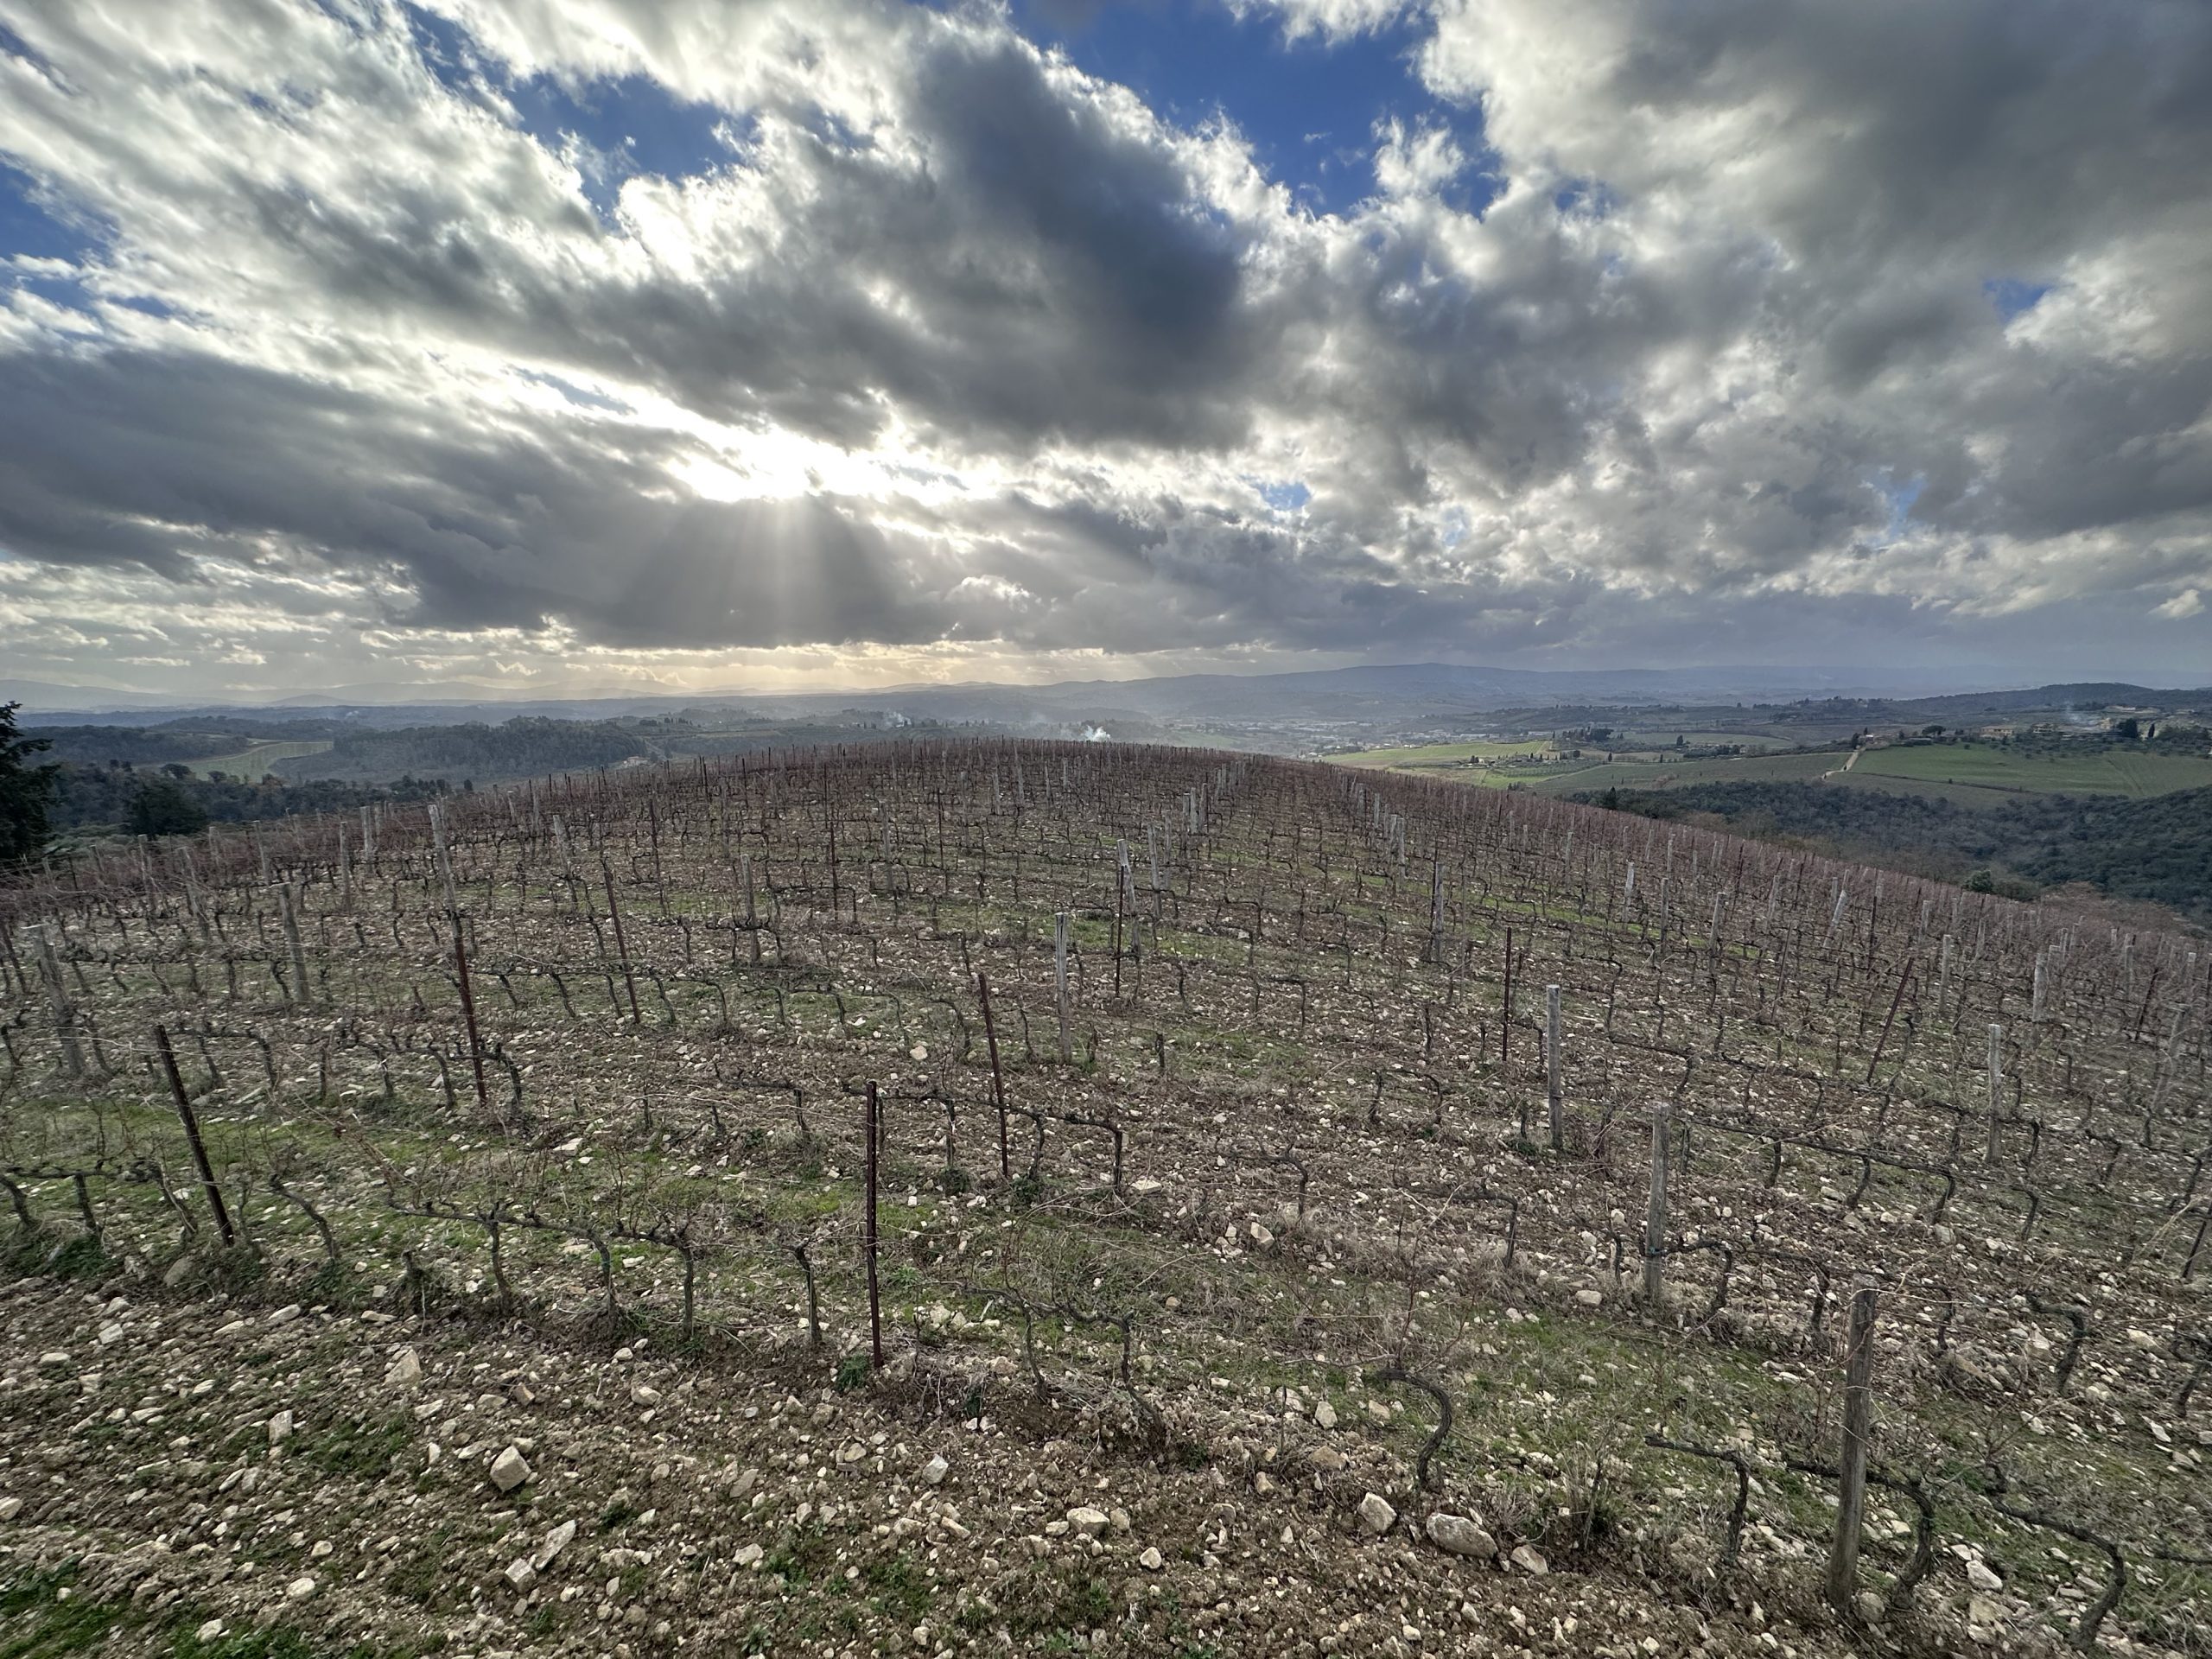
1060,984
1996,1084
1124,892
1884,1041
621,945
185,1116
57,997
1655,1216
1555,1077
1505,1007
469,1011
998,1083
290,911
438,844
1436,910
568,861
873,1129
752,915
1858,1428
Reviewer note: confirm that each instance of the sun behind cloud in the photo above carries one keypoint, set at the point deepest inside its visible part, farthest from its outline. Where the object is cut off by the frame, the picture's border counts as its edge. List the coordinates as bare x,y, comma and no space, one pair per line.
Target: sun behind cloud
725,335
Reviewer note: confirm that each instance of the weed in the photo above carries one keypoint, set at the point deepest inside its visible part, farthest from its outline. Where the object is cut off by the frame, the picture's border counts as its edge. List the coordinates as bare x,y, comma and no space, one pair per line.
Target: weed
424,1576
43,1617
238,1268
82,1257
798,1556
273,1643
547,1620
1078,1602
899,1590
358,1449
331,1283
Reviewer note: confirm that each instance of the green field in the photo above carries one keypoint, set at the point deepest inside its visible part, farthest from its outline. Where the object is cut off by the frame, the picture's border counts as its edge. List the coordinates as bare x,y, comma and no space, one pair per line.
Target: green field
1426,757
1658,773
1974,797
1535,765
1746,740
252,763
1995,767
1968,774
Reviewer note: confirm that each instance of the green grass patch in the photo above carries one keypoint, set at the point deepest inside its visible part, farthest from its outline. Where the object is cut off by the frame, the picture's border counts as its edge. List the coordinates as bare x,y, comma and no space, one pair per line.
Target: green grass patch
898,1590
357,1450
42,1615
250,763
1424,757
1661,773
2070,770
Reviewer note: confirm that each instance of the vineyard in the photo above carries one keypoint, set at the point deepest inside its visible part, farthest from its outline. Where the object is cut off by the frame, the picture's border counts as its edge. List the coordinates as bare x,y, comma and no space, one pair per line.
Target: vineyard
1031,1196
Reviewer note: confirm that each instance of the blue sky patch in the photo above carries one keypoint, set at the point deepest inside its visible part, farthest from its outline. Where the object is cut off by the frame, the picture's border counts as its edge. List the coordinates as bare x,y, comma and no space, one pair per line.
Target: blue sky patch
15,45
34,222
1586,196
2012,297
1284,495
630,124
633,123
1900,494
582,396
35,225
1308,108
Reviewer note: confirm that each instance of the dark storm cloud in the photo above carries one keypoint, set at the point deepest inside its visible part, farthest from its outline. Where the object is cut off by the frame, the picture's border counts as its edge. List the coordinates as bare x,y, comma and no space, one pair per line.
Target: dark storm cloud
1028,267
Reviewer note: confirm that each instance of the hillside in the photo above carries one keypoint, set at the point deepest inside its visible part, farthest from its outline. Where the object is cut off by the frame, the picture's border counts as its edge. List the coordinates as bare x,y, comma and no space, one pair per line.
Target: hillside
2158,849
966,1198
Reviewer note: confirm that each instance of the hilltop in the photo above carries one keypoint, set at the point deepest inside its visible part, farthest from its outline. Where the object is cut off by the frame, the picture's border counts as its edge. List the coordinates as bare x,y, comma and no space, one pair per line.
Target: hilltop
970,1197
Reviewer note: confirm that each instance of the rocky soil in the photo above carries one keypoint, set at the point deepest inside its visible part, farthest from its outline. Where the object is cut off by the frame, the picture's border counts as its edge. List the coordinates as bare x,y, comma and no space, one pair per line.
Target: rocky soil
207,1474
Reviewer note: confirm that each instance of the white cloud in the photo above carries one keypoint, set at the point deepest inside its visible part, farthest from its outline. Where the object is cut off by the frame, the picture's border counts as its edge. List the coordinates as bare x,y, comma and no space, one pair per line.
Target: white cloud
1330,19
958,356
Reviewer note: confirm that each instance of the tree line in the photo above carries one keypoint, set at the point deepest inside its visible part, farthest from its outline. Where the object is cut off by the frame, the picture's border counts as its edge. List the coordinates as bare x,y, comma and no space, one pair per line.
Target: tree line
40,799
2158,849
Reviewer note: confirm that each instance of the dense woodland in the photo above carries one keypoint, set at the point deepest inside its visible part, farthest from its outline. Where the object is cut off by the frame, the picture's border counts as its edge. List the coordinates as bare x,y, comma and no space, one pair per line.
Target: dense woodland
538,747
524,747
91,799
145,746
2158,849
473,752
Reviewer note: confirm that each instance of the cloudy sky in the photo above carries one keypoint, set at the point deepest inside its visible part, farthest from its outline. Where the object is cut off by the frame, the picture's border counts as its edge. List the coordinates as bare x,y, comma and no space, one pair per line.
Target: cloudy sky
568,343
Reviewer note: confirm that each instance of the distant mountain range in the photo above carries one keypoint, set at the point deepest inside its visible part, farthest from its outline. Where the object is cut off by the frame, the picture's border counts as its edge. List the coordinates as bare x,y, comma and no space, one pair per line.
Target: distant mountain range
1404,692
1356,698
45,696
